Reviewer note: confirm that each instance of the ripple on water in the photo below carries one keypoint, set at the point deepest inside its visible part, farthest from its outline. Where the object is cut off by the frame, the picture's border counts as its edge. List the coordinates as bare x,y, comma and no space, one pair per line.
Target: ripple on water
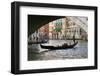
80,51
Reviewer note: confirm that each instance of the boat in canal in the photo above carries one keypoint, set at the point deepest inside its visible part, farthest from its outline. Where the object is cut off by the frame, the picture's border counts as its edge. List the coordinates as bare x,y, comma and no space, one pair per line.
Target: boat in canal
64,46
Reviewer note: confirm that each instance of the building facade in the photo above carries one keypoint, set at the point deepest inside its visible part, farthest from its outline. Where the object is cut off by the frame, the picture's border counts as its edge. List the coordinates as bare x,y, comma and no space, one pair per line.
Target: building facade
62,28
65,29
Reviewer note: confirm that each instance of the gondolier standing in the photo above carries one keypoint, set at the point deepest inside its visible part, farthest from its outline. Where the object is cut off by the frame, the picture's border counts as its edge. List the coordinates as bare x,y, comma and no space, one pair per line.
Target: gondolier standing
74,38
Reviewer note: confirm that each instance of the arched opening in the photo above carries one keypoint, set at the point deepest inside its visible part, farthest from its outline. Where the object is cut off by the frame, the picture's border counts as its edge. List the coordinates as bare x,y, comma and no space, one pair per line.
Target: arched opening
37,21
71,25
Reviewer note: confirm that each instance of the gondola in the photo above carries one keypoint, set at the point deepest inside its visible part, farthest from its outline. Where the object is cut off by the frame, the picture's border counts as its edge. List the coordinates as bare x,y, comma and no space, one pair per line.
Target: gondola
64,46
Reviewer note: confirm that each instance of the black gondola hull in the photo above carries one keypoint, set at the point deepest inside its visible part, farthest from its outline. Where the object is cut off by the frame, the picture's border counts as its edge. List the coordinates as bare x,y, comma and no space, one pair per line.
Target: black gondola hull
58,47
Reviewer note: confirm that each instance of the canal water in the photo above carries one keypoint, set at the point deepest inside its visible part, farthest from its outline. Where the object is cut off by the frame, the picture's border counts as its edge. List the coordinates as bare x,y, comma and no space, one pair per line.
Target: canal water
80,51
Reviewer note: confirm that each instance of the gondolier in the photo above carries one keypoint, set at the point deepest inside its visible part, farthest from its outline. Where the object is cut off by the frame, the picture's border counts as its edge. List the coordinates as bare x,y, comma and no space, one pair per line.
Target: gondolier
74,38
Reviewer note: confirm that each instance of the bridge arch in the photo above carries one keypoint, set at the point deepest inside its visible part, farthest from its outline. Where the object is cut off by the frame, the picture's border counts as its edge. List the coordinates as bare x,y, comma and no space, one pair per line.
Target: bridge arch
37,21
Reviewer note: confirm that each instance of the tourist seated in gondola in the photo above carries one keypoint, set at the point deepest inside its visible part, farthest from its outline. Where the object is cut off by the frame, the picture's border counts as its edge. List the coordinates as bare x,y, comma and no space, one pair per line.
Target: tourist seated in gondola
65,44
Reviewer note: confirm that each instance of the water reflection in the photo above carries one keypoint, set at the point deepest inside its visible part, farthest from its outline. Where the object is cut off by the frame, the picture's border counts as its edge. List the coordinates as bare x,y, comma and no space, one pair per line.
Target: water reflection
35,52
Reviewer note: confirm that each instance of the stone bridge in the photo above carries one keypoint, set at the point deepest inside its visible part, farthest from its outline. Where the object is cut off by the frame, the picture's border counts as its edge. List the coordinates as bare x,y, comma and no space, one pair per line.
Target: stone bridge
80,21
37,21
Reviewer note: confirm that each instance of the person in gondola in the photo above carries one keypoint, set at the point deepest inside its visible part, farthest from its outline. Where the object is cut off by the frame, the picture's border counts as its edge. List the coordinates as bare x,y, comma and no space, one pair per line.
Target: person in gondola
65,44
